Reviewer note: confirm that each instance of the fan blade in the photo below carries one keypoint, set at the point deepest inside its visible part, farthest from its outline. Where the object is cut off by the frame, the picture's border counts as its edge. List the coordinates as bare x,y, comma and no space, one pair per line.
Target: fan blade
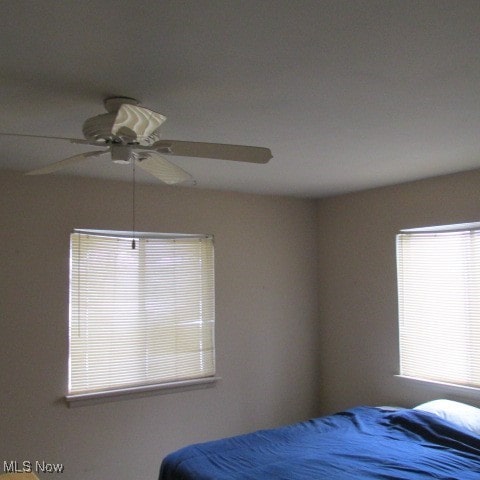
162,169
136,123
220,151
71,140
53,167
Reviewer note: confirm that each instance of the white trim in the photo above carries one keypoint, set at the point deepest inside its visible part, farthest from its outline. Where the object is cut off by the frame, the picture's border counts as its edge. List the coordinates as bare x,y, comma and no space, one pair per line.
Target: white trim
82,399
457,227
452,387
130,234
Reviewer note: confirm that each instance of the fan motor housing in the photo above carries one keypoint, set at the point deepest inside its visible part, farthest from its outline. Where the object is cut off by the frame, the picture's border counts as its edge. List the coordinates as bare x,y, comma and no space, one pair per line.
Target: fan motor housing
99,127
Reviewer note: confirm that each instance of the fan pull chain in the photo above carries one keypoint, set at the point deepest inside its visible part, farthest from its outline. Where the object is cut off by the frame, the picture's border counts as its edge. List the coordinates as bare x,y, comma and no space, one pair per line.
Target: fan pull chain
133,204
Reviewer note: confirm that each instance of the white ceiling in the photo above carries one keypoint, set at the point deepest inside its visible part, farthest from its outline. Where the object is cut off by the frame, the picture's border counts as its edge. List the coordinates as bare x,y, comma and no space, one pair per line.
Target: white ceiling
348,94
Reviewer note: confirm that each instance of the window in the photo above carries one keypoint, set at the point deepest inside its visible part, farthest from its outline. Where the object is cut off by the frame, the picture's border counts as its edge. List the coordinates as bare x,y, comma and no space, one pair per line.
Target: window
439,303
142,317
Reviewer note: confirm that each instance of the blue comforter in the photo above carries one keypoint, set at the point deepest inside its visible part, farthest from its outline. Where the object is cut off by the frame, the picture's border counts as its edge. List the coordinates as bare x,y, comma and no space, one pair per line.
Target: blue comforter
361,443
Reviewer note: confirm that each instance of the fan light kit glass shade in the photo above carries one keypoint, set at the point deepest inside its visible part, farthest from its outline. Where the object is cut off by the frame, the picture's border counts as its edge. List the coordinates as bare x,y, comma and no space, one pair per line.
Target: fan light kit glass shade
125,122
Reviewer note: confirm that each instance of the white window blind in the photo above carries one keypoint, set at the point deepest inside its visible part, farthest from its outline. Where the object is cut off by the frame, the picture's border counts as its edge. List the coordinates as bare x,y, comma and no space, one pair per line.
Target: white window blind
439,304
140,316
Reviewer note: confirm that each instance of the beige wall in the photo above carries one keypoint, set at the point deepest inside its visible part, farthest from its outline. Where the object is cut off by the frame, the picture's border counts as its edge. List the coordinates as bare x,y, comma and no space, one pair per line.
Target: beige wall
306,313
358,355
266,331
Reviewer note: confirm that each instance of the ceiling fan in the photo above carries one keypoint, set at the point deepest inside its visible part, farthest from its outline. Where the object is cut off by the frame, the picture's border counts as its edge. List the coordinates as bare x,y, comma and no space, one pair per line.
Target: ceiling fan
129,133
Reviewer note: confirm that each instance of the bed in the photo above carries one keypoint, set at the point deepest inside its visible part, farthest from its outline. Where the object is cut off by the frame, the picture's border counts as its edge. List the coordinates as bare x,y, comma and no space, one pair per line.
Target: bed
436,440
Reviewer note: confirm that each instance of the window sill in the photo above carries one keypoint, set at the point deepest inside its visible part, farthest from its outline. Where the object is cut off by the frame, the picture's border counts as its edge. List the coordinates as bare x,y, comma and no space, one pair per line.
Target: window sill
85,399
442,387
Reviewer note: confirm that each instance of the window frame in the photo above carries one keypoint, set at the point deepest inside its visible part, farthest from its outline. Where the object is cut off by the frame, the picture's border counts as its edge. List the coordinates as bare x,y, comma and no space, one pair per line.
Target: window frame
77,398
466,230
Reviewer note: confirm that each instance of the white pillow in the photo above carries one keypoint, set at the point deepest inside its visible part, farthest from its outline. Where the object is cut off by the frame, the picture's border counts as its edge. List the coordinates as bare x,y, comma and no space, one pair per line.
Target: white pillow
464,415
